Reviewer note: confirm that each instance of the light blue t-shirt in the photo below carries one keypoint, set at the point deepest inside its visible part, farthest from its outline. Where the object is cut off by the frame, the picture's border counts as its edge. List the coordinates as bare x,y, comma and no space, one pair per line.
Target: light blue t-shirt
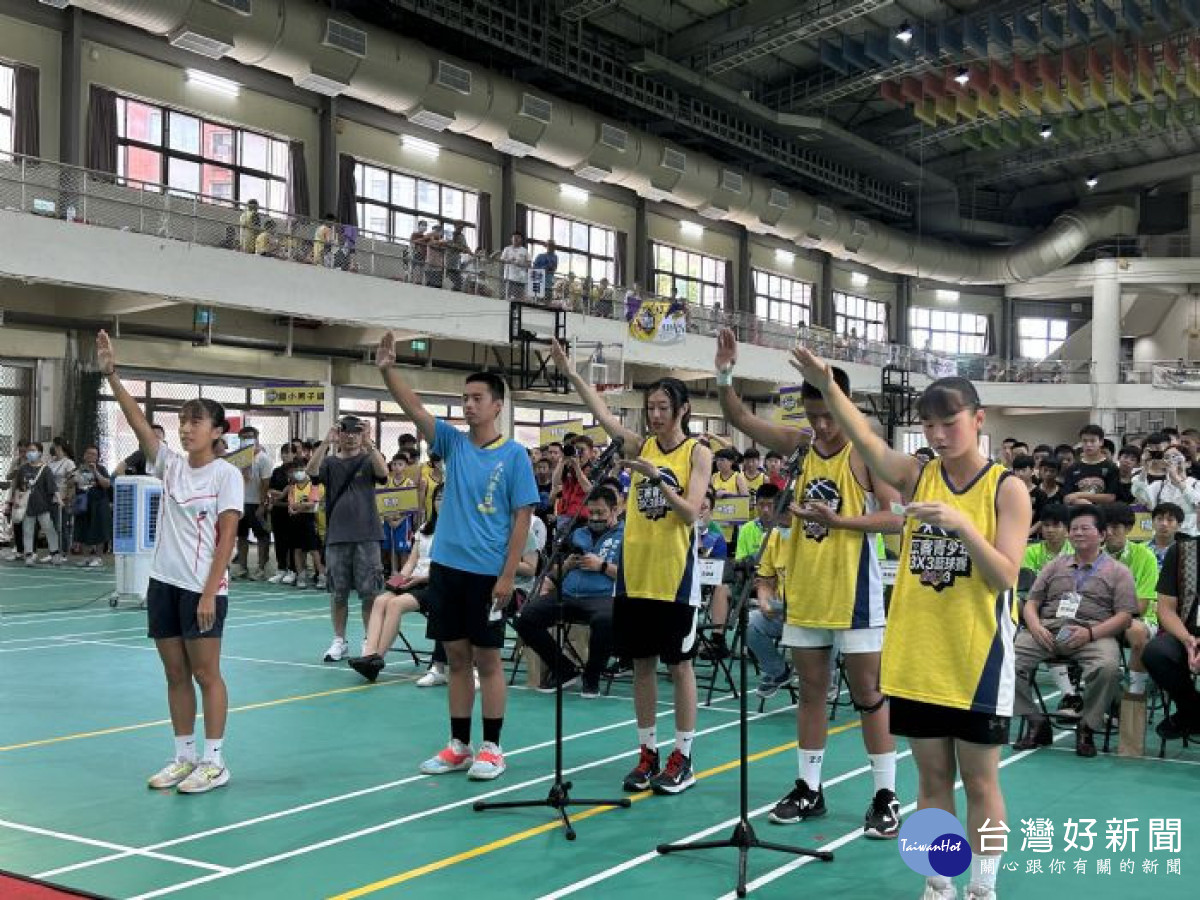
484,487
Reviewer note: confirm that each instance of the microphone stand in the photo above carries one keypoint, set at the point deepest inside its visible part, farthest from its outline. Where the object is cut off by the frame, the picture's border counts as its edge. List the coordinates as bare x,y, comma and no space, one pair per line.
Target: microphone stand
743,837
559,796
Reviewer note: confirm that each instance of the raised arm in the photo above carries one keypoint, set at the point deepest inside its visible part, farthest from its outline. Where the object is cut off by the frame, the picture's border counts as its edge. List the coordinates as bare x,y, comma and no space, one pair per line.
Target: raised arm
593,401
898,469
106,357
385,359
780,438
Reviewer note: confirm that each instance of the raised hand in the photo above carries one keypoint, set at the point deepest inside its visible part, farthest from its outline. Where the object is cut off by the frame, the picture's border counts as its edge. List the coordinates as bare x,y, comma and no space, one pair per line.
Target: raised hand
815,370
726,349
385,353
559,355
106,355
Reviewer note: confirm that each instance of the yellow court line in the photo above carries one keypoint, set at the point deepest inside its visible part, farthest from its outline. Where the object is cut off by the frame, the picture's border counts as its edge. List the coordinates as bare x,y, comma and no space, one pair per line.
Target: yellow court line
141,725
517,837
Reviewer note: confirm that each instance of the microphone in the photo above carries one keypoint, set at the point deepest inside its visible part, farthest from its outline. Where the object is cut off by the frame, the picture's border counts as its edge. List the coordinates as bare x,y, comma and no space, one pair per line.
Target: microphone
796,459
605,459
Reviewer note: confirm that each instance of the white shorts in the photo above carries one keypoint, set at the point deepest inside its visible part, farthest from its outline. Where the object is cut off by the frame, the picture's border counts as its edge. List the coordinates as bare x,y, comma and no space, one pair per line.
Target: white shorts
847,640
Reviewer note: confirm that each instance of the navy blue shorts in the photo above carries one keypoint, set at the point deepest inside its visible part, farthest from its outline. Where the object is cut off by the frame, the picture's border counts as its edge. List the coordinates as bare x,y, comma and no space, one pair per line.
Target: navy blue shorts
171,612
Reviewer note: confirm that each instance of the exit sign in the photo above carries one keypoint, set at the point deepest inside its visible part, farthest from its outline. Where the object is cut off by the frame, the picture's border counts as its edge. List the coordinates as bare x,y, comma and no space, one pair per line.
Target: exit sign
420,346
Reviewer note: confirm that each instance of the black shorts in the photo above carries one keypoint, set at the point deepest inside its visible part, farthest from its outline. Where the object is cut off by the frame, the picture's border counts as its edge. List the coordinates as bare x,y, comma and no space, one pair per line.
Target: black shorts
251,522
302,533
645,628
171,612
460,606
913,719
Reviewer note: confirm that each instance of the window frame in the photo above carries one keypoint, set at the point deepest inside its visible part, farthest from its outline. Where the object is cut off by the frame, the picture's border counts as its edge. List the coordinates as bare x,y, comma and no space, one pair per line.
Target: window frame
937,322
875,330
770,300
716,285
536,244
1046,337
393,209
6,112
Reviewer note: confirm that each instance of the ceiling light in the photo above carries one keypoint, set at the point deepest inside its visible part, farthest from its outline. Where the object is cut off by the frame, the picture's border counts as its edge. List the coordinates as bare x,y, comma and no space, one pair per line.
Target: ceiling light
573,193
1046,131
691,229
1092,181
963,75
905,33
785,256
420,145
946,296
213,82
859,279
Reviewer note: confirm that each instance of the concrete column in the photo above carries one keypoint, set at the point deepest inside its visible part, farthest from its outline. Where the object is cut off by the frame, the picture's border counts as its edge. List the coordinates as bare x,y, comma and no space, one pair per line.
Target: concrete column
70,99
823,311
1006,328
900,320
1106,338
327,177
508,204
743,298
640,265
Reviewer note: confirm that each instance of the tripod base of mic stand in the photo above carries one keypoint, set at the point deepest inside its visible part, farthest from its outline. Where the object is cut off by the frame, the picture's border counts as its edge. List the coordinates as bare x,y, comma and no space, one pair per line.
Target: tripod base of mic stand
558,799
745,840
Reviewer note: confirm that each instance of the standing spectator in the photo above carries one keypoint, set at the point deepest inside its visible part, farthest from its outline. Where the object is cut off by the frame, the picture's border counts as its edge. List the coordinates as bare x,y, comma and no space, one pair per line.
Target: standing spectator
1047,491
419,247
546,262
93,515
1164,479
516,267
633,302
303,499
398,527
135,463
570,486
35,484
602,300
281,528
1094,477
456,248
62,464
324,240
435,256
352,523
1127,463
257,479
250,222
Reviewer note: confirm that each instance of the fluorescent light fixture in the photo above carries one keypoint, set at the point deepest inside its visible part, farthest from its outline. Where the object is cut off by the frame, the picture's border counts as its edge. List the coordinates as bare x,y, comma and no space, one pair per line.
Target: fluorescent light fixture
1092,181
904,33
578,194
691,229
1046,131
859,279
213,82
420,145
713,212
946,296
963,76
785,256
513,147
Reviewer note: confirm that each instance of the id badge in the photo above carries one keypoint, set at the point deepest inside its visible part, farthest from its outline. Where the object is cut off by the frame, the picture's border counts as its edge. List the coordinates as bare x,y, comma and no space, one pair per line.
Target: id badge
1068,605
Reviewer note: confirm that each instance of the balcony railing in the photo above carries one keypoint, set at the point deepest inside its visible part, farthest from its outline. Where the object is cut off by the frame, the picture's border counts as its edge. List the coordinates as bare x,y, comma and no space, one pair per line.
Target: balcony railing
1026,371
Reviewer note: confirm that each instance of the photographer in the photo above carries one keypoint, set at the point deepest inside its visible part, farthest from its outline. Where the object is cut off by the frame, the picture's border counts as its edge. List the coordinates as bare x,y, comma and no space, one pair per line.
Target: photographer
569,486
1164,479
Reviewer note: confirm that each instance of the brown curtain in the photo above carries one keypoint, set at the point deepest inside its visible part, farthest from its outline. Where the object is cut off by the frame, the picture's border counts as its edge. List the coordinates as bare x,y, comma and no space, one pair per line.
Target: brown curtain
26,122
484,230
347,206
298,180
620,257
102,130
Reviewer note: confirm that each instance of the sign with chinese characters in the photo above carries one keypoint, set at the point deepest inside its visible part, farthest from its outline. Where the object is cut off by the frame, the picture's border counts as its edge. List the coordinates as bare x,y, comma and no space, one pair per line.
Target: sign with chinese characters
395,501
242,458
732,510
556,431
305,396
711,571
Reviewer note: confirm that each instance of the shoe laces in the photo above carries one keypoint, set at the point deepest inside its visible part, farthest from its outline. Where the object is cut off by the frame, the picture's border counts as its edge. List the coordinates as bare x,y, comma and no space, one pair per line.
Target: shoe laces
648,760
883,800
802,793
675,763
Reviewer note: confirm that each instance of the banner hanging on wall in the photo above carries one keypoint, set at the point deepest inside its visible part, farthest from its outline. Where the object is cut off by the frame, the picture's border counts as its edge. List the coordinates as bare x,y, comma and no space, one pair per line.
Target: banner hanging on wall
659,322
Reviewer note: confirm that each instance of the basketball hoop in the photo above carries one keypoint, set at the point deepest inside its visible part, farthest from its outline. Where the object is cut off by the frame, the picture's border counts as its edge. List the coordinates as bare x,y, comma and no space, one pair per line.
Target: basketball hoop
601,365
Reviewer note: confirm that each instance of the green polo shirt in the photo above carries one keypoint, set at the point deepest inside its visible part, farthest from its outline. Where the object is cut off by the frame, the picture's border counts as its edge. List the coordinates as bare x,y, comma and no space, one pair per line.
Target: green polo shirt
1140,561
1037,555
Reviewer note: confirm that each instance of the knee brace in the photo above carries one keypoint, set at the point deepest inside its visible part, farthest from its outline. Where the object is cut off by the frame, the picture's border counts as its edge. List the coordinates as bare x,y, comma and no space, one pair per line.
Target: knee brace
867,710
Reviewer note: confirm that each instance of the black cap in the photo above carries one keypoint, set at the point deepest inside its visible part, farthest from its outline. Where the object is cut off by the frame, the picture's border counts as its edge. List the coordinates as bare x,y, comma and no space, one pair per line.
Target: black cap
350,423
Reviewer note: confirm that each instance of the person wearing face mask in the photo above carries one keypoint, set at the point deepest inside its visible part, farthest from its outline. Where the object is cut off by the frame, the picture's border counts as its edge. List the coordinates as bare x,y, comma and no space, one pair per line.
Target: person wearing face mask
303,499
1164,479
34,500
93,514
588,577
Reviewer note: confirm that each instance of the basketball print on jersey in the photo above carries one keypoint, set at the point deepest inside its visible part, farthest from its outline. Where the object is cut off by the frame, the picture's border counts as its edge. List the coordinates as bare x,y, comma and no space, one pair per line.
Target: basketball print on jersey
650,500
822,491
937,558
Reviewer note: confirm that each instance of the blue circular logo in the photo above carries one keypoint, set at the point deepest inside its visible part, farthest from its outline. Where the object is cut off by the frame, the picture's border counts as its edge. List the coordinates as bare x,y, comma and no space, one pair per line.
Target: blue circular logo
933,842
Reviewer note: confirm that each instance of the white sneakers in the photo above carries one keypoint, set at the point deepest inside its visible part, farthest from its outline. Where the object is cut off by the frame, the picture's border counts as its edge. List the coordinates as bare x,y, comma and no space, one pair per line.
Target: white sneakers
932,892
278,577
432,678
337,650
171,774
288,578
204,778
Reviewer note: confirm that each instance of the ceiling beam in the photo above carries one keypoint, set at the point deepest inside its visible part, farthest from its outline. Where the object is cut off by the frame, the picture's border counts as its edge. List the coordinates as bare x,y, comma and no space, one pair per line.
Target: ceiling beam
728,25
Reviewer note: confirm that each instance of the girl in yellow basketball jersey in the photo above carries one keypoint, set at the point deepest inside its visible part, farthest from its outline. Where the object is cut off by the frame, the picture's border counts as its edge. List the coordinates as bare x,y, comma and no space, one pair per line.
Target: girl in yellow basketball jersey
658,588
948,663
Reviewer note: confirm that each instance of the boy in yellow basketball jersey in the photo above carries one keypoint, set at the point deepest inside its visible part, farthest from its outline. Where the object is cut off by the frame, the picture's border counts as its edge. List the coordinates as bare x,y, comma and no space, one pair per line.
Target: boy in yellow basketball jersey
658,585
834,591
948,661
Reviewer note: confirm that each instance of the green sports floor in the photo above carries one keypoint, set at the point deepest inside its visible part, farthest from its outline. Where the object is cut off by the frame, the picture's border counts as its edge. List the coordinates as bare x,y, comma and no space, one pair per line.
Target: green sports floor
325,800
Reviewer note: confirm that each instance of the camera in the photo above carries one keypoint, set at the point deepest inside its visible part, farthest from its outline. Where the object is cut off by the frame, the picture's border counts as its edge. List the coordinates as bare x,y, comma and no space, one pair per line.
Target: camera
568,450
1155,454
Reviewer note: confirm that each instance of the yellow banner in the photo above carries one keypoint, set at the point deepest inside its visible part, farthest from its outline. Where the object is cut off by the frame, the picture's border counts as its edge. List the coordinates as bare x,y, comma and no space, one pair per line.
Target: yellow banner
789,410
1143,527
732,510
395,501
556,431
659,322
243,458
307,395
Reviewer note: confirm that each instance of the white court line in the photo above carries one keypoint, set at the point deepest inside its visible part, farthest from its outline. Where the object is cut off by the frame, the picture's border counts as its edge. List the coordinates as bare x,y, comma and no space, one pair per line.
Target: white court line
237,615
108,845
14,620
404,820
1149,759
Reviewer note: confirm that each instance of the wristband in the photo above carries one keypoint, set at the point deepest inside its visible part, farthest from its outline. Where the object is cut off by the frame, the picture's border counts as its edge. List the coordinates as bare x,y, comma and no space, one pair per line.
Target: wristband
724,377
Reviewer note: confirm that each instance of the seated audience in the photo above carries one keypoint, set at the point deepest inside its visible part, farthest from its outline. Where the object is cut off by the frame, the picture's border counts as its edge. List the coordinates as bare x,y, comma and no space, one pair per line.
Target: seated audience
1173,657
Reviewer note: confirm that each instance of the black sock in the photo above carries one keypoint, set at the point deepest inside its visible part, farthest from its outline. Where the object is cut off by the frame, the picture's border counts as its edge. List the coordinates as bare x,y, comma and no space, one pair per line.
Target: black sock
491,729
460,729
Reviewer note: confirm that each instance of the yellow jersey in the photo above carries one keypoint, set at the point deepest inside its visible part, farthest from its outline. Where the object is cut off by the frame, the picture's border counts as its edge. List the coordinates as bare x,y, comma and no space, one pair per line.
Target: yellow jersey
753,484
725,485
772,563
949,638
659,553
431,483
308,492
833,575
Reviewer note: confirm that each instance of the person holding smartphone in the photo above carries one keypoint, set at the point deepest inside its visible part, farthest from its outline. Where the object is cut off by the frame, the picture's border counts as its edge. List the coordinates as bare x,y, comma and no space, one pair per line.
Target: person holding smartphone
1164,479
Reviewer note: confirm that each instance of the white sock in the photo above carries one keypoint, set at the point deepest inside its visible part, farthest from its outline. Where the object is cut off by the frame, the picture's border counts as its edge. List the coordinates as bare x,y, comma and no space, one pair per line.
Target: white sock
810,766
1061,680
1137,682
984,876
212,752
185,747
647,737
883,770
683,742
937,882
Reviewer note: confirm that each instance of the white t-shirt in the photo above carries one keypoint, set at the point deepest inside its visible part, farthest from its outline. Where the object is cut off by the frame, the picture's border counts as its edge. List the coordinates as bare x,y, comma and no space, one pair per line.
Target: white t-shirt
424,554
535,540
517,263
192,501
63,468
252,478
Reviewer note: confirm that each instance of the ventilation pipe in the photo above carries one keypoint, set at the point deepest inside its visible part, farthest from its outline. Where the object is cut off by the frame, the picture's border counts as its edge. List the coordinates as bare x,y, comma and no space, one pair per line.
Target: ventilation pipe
438,91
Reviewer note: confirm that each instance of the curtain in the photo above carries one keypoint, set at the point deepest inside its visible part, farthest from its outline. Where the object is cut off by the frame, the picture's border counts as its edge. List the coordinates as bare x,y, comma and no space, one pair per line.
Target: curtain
102,131
989,342
730,286
484,230
347,206
298,180
648,269
26,122
620,257
520,223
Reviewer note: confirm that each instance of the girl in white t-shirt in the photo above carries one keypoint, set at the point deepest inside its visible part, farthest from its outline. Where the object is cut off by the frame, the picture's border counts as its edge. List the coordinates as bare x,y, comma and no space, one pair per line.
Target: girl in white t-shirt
189,576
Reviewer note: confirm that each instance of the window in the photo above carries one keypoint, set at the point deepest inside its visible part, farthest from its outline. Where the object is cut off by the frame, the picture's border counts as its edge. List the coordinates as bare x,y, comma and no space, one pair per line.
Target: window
583,250
780,299
947,332
7,98
1038,337
391,203
694,277
860,316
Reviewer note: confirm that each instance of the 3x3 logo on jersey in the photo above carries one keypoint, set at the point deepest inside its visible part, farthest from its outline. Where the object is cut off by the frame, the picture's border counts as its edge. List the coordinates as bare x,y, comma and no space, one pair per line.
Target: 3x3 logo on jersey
650,500
937,557
822,491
